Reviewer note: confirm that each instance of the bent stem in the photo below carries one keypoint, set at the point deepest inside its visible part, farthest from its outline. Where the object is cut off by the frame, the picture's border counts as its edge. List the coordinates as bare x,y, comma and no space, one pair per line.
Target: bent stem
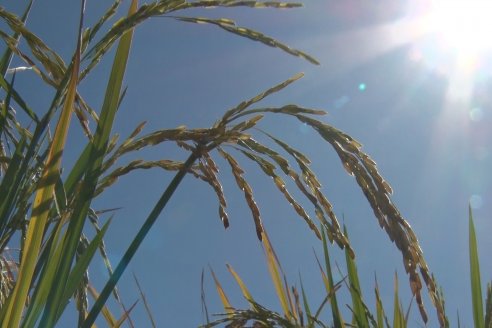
142,233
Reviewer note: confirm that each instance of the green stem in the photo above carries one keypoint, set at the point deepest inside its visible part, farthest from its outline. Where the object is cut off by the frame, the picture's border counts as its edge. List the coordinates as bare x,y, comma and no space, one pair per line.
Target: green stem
132,249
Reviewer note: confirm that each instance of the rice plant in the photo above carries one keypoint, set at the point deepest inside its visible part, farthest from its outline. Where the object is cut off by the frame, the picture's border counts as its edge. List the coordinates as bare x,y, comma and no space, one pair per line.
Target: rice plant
297,306
43,213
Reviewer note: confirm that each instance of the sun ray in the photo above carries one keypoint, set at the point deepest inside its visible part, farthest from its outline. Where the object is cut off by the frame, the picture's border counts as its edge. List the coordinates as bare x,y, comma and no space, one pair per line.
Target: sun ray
346,50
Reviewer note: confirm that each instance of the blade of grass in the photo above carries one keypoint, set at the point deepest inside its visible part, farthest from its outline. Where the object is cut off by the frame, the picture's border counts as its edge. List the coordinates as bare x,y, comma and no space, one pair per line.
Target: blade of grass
355,291
202,298
476,285
42,202
307,309
380,315
273,268
98,150
337,317
81,266
223,297
488,306
108,316
124,317
398,316
146,304
244,289
10,181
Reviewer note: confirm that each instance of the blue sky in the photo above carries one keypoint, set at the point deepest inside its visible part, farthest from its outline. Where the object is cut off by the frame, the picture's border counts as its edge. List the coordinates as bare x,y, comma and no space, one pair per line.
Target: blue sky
393,88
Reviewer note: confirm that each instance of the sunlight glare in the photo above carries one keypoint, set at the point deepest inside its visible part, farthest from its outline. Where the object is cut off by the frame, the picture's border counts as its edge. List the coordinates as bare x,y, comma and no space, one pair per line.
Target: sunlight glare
464,26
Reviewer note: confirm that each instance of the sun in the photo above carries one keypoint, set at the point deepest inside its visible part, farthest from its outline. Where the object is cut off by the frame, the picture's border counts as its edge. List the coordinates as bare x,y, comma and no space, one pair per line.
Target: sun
463,26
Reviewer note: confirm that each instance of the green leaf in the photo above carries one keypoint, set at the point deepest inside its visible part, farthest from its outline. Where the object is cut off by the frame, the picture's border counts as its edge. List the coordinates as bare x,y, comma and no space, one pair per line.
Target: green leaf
97,152
398,315
10,182
274,269
81,267
380,315
42,202
307,309
476,285
355,291
488,307
336,315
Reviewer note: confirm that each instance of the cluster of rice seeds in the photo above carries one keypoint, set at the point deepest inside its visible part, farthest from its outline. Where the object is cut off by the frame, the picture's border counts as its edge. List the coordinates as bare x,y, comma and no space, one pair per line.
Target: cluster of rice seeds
269,169
160,8
236,3
283,164
244,186
210,170
231,27
52,63
322,204
377,192
237,111
138,164
8,271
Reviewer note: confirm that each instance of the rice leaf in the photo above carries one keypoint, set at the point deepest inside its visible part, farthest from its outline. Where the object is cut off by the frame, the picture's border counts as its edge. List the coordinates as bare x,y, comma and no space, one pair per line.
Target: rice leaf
223,297
380,314
330,286
42,202
244,289
125,316
355,291
476,285
202,297
398,316
146,304
50,254
274,269
488,307
10,181
81,266
305,302
108,316
96,156
93,217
